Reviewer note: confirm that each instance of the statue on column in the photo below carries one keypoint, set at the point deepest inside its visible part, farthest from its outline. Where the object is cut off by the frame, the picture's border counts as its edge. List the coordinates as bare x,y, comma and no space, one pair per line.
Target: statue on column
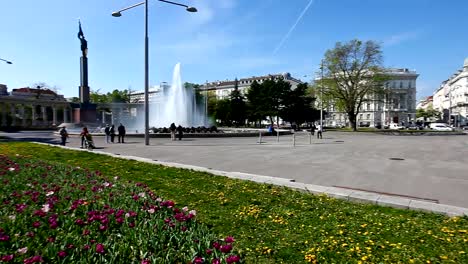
84,43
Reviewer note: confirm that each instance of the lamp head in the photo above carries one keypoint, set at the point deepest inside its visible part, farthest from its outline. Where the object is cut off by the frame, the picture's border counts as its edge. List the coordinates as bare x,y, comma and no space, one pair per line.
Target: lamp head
116,14
9,62
191,9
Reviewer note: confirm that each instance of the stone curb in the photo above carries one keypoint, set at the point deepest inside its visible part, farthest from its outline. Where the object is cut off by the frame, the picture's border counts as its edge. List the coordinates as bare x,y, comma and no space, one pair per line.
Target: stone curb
335,192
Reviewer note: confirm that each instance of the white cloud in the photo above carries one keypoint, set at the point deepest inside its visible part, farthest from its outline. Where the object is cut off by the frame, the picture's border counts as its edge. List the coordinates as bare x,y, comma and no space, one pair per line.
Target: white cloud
399,38
293,26
207,10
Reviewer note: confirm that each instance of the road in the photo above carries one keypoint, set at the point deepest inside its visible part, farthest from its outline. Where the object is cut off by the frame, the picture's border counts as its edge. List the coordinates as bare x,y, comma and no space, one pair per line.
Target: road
433,168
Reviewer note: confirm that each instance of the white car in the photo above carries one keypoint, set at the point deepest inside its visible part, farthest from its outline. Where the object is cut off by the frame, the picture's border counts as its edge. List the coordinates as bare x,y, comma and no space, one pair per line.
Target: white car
395,126
440,127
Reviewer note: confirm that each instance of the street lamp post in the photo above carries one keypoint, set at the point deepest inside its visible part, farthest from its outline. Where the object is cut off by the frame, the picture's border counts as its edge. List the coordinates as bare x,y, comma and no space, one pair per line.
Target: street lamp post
321,95
7,62
146,103
206,103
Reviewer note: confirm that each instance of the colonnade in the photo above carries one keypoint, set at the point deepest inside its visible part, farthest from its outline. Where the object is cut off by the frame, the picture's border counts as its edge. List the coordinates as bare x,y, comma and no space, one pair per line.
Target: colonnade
17,111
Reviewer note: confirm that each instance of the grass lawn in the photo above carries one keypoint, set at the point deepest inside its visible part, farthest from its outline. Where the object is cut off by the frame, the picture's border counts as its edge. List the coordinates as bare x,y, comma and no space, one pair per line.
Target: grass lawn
277,225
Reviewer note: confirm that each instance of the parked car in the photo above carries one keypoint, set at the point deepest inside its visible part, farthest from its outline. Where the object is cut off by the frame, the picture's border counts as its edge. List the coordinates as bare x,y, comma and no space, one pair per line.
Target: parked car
414,127
395,126
440,127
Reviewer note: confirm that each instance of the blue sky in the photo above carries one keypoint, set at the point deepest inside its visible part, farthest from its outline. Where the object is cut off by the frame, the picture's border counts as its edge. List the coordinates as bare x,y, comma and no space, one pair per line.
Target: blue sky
224,40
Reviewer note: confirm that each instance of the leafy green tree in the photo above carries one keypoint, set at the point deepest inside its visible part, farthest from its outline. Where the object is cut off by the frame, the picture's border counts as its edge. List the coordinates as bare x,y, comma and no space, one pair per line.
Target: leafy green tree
212,102
117,96
430,113
238,106
353,75
223,112
97,97
298,106
255,101
277,92
75,99
192,85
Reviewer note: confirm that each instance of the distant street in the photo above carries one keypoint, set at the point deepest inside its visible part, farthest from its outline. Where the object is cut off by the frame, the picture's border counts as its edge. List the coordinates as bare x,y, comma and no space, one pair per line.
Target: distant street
432,168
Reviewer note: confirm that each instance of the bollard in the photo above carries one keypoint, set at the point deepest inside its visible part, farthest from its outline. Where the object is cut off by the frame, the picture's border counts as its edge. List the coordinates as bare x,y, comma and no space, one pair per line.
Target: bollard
260,137
294,140
310,138
277,136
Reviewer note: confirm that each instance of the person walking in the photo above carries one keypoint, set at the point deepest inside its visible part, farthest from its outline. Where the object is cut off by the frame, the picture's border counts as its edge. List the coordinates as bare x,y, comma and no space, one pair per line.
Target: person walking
319,131
63,135
180,132
107,132
84,133
112,133
312,129
173,128
121,131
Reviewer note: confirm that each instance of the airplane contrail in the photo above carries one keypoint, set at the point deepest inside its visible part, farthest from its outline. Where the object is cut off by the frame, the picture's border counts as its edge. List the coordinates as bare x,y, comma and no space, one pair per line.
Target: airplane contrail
293,27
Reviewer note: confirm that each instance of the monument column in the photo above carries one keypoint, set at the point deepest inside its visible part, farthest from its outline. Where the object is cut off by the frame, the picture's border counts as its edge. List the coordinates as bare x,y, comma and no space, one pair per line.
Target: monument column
4,114
54,116
44,115
13,114
103,121
65,115
33,115
84,89
84,112
120,114
23,116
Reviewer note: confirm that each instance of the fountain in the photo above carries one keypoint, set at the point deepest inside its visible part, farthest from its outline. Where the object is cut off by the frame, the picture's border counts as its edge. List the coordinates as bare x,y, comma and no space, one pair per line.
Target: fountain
177,105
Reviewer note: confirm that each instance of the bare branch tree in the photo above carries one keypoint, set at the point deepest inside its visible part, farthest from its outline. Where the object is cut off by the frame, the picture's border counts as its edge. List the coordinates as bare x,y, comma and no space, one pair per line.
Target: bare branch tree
353,75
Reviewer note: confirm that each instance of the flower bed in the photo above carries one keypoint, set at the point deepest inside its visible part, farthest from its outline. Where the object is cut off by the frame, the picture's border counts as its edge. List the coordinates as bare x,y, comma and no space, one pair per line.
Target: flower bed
274,224
63,214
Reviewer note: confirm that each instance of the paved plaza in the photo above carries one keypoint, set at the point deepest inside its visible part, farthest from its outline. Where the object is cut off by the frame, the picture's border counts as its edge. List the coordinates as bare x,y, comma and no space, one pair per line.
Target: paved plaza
430,168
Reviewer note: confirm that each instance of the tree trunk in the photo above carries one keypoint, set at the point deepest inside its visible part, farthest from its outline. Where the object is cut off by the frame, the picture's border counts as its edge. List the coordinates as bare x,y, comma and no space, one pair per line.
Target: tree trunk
352,121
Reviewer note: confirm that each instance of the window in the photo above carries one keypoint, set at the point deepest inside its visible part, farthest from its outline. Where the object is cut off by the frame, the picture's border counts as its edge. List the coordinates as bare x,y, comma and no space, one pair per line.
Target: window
361,116
393,84
368,116
368,106
401,84
409,84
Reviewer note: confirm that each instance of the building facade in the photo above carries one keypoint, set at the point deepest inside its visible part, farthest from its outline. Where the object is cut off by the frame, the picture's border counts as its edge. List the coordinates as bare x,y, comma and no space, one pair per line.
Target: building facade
29,107
139,96
223,89
397,106
425,103
451,99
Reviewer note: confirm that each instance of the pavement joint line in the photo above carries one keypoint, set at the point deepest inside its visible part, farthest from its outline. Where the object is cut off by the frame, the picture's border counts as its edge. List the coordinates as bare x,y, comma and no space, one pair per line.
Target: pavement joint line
335,192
